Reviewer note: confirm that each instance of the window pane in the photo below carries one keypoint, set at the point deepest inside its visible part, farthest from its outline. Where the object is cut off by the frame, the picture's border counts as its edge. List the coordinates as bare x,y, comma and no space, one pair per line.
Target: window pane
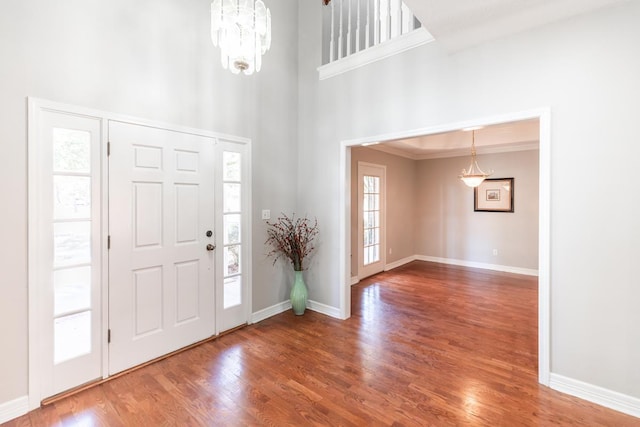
231,229
367,255
71,243
371,236
368,220
232,291
231,166
71,197
368,184
371,219
72,290
371,254
375,202
71,150
371,184
367,202
231,198
231,260
376,219
72,336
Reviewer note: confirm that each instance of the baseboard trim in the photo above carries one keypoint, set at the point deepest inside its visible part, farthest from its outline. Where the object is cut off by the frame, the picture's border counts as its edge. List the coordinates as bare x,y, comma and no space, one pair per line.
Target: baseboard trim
327,310
473,264
281,307
400,262
265,313
355,280
14,408
599,395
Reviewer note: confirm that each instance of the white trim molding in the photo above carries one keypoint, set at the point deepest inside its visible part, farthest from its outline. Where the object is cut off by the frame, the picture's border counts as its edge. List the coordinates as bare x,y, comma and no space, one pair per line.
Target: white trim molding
265,313
599,395
394,46
283,306
327,310
14,408
473,264
400,262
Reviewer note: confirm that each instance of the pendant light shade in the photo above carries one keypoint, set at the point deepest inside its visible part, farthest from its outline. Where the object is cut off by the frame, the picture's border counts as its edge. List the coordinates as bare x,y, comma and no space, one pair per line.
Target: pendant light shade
474,175
242,29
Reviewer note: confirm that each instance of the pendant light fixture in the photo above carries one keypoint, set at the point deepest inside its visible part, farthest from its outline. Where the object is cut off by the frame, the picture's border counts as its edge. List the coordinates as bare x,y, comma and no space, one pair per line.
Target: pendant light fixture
242,29
474,176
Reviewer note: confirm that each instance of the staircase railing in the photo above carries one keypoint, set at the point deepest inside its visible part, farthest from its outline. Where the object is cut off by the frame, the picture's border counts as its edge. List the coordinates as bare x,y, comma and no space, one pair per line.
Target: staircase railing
355,26
360,24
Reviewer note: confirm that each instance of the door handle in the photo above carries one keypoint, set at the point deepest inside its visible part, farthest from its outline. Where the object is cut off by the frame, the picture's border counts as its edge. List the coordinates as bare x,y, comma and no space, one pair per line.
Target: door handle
210,247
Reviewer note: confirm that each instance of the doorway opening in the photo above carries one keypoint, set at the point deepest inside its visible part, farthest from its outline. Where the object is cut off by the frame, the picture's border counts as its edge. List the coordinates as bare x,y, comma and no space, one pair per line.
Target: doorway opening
542,119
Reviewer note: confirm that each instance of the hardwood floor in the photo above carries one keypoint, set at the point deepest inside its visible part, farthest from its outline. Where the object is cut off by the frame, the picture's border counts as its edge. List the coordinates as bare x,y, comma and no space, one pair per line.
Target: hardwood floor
427,344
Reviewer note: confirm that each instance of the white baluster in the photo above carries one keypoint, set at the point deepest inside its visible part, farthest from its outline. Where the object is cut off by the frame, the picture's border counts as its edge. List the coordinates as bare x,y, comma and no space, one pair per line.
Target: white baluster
408,21
398,26
349,28
340,33
358,35
376,22
389,21
332,43
367,27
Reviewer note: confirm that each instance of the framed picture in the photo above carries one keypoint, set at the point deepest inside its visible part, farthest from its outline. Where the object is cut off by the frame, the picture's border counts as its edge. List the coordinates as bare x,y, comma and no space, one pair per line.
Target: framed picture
494,195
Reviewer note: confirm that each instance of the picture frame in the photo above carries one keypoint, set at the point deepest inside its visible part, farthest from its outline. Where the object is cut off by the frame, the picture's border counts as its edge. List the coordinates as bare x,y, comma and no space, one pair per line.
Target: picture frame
494,195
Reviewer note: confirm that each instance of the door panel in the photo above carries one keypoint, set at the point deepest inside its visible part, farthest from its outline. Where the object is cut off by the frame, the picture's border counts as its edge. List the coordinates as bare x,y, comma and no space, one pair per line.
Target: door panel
371,219
161,284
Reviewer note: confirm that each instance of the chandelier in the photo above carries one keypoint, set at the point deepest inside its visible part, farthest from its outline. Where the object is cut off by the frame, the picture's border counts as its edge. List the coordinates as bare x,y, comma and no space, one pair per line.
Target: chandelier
242,29
474,176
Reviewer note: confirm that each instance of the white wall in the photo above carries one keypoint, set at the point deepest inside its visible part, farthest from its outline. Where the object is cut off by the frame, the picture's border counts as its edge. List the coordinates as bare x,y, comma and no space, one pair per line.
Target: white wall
151,59
448,227
586,70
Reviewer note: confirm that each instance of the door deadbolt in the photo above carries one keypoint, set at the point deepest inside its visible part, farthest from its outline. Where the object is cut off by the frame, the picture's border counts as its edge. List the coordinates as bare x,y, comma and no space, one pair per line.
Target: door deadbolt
209,233
210,247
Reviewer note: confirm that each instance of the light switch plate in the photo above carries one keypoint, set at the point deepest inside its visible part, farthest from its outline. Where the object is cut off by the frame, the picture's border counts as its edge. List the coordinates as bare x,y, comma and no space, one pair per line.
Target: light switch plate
266,214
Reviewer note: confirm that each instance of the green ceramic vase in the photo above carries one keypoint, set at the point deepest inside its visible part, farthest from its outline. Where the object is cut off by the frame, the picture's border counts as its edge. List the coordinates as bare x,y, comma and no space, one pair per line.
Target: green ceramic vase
298,294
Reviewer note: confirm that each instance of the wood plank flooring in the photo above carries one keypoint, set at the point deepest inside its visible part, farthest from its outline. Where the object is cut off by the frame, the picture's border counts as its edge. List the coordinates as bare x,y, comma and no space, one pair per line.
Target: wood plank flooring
427,344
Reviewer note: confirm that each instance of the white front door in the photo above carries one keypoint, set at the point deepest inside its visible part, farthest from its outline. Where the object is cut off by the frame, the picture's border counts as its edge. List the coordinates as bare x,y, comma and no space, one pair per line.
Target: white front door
64,250
161,220
234,243
371,219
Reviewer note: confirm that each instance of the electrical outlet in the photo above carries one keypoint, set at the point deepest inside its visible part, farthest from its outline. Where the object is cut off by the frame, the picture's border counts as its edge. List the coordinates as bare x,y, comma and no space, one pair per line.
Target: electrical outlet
495,252
266,214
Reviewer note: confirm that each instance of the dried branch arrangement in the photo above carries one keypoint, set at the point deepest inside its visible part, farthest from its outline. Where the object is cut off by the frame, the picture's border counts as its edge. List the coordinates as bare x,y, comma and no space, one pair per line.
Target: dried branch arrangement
291,238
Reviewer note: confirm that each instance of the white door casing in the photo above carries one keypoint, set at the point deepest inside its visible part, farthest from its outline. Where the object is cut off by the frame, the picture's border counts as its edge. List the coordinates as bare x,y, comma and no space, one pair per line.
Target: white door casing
371,219
161,291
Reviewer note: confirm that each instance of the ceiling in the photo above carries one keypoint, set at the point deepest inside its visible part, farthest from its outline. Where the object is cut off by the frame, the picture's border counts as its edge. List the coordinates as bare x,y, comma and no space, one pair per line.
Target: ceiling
500,138
463,23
